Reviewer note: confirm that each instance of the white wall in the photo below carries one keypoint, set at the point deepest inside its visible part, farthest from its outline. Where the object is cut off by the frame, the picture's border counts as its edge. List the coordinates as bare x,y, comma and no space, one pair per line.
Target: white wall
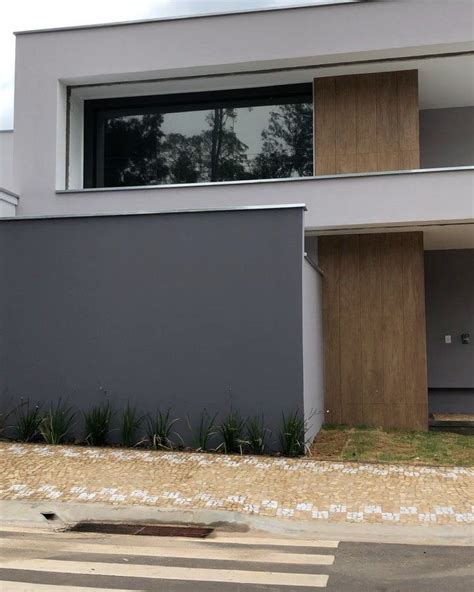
332,203
6,159
8,204
47,62
313,361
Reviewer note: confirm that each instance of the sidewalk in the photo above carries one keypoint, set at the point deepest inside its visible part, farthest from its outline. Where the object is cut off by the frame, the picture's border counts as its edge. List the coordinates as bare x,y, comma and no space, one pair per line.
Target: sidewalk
301,489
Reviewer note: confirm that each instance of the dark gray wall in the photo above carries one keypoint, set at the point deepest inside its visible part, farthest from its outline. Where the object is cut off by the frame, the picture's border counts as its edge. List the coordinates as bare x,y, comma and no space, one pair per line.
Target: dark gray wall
185,310
449,279
447,137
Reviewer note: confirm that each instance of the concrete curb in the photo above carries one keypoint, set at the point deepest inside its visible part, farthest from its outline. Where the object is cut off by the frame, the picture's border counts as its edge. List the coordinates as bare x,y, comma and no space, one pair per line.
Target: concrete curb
15,513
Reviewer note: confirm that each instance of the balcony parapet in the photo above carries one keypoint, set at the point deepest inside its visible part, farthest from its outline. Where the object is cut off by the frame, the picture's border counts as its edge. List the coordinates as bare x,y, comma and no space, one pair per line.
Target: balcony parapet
8,203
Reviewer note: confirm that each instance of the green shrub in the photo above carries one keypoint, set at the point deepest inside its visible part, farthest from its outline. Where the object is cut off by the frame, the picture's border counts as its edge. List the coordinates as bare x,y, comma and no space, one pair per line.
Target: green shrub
256,434
131,421
97,424
204,431
27,421
159,429
232,431
292,434
57,423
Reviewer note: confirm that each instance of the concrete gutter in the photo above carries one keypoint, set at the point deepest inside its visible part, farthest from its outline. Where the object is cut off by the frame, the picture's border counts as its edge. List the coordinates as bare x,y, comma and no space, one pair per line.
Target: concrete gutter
15,513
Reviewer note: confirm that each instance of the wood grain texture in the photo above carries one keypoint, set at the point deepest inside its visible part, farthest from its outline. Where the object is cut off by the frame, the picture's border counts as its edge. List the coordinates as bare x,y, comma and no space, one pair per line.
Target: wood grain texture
387,112
408,115
393,342
324,126
374,329
370,266
409,159
366,122
415,331
346,136
329,256
366,113
349,328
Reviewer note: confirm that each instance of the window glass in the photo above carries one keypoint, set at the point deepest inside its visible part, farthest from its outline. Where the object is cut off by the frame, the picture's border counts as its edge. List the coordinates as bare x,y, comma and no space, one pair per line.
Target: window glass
222,142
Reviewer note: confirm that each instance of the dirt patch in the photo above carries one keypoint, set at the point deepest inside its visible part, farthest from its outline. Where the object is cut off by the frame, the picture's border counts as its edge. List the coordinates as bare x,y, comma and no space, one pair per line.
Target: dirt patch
329,444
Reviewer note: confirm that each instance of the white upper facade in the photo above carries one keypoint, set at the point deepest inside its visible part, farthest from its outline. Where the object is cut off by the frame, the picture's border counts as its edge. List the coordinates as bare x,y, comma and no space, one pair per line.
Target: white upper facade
57,70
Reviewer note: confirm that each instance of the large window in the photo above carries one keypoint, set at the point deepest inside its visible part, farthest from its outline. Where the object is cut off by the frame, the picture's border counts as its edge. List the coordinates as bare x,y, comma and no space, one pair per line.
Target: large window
194,138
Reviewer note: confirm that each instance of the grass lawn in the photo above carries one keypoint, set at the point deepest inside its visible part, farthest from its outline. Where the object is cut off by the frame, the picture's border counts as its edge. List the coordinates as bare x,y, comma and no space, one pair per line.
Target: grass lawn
373,445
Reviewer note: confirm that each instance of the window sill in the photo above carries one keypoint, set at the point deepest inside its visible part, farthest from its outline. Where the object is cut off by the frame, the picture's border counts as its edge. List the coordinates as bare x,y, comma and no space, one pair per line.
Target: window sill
266,181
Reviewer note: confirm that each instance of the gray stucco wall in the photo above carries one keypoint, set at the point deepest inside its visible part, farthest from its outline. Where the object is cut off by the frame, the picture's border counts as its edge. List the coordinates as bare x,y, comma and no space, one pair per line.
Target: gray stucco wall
447,137
449,279
192,310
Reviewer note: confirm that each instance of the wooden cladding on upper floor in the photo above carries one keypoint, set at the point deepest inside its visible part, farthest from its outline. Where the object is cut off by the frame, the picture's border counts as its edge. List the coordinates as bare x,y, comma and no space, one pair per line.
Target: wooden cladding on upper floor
366,122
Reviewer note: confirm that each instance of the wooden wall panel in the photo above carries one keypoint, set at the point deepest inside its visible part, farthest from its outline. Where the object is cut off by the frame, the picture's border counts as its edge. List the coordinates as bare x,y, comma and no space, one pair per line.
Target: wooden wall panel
346,137
329,250
414,319
349,322
366,122
325,128
374,329
370,267
392,341
408,119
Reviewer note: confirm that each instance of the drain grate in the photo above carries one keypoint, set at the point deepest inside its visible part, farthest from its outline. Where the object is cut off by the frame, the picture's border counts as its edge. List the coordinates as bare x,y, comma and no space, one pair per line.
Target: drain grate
199,532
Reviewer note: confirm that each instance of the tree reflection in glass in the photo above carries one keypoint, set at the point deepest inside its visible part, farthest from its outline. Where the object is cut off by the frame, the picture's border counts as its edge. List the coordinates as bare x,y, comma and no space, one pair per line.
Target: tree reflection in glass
219,144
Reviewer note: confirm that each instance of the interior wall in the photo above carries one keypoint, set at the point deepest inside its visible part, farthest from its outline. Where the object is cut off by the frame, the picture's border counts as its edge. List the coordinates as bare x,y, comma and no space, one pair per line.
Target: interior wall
447,137
449,278
374,329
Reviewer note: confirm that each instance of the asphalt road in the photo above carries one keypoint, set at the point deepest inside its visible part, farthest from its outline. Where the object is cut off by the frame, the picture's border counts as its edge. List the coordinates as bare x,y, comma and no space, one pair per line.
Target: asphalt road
76,562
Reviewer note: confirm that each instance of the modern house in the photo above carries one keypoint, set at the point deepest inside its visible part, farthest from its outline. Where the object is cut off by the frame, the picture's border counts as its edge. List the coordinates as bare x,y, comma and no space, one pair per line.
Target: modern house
362,111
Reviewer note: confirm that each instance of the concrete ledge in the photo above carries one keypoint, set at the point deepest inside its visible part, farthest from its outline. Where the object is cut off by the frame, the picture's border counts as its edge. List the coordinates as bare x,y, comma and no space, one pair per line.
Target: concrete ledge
16,514
8,203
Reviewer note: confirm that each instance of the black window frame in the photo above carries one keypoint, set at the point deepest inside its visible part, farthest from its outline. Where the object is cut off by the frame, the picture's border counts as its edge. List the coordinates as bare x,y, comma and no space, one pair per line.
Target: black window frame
97,110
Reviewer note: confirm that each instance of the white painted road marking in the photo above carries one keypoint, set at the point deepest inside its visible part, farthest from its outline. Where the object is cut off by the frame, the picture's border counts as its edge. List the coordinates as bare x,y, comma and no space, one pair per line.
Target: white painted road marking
6,586
39,558
158,572
231,554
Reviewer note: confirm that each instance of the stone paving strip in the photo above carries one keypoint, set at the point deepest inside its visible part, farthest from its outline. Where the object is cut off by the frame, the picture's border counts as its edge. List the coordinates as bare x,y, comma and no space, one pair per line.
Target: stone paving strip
275,487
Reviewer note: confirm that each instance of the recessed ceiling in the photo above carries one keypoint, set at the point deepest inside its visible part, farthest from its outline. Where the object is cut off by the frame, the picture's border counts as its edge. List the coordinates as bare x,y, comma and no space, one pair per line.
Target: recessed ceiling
443,81
435,237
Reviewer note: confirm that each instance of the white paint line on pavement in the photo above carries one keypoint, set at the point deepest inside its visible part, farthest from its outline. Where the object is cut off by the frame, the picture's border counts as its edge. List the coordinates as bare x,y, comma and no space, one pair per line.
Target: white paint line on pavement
6,586
188,574
231,554
322,544
158,541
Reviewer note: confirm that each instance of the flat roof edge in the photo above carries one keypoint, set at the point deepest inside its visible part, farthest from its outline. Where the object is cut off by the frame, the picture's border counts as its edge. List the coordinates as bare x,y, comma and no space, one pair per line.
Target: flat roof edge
186,17
6,191
299,206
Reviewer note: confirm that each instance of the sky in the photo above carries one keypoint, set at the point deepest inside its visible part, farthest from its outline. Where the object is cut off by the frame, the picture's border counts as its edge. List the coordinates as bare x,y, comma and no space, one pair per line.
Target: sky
19,15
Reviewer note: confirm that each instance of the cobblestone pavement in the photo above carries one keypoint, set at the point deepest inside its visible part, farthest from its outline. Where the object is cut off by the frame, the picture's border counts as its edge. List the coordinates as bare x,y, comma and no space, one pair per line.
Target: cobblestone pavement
278,487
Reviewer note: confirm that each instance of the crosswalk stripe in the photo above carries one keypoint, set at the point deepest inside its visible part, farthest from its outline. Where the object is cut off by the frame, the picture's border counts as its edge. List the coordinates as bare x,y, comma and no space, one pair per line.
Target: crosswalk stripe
221,539
322,544
231,554
171,573
7,586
